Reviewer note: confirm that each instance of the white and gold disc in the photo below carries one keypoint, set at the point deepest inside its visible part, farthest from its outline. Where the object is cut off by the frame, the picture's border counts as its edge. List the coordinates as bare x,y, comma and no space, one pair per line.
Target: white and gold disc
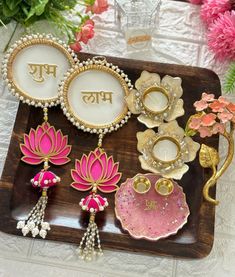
34,66
92,96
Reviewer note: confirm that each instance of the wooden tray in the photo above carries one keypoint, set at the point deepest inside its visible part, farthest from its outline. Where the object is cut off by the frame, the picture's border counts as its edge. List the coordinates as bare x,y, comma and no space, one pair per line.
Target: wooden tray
17,196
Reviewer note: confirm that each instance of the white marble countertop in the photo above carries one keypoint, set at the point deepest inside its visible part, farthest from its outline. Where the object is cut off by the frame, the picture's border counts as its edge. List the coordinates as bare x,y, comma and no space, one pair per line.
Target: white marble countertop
181,40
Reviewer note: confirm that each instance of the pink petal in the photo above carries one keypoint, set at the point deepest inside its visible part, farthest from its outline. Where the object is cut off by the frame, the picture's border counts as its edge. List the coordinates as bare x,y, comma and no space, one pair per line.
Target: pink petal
90,159
65,152
78,178
113,181
45,126
28,153
59,139
59,161
109,166
46,145
52,133
104,160
32,139
96,170
108,188
63,144
78,168
83,165
80,187
27,141
38,134
113,171
32,160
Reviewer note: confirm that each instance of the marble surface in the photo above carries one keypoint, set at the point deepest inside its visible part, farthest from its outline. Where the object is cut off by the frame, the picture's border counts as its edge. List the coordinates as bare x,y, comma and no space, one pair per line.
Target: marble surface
180,39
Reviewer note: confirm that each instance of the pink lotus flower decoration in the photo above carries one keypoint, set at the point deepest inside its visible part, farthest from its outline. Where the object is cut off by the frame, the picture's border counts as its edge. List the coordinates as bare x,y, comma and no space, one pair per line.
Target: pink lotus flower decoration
45,144
96,170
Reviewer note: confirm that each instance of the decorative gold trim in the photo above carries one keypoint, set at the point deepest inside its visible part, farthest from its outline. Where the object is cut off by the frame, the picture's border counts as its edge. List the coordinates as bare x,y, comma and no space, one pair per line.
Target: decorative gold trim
151,89
29,41
104,66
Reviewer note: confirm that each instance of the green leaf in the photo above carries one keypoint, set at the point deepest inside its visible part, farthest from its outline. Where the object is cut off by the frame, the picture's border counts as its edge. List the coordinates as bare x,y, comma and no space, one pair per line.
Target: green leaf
7,12
12,4
37,8
229,86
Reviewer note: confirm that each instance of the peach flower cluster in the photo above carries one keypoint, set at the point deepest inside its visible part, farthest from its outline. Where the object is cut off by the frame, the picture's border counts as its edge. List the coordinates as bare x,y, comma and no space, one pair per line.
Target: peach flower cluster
86,31
213,115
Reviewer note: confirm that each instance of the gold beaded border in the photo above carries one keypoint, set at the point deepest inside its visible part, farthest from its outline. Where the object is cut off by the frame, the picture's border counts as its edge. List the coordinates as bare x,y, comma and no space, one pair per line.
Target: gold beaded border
95,64
17,47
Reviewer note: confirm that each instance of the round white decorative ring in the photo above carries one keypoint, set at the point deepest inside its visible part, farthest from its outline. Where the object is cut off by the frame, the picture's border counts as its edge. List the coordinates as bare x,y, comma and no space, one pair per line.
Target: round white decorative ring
34,66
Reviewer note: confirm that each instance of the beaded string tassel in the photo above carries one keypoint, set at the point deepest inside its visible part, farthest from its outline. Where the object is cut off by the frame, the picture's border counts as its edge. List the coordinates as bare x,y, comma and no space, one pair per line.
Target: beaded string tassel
43,145
95,171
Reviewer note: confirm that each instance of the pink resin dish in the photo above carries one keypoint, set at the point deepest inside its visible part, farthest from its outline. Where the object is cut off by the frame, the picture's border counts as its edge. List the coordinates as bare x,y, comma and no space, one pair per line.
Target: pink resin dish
151,216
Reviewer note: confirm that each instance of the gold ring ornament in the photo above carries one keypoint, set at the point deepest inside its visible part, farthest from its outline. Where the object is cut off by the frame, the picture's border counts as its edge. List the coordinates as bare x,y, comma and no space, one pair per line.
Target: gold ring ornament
92,96
167,151
157,101
34,66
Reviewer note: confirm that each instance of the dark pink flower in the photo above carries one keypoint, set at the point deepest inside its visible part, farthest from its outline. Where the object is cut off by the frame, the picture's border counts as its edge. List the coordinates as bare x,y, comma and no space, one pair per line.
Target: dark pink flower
225,116
86,32
221,36
45,144
208,119
208,97
98,7
96,169
217,106
45,179
205,132
211,9
200,105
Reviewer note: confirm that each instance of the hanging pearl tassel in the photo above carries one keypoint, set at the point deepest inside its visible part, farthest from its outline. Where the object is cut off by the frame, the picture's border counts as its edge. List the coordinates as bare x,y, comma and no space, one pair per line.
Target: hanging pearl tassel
90,244
36,218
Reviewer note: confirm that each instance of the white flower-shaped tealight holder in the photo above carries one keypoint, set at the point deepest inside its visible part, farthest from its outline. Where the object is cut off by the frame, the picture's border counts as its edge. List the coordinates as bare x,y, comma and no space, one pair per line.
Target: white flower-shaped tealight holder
167,151
157,101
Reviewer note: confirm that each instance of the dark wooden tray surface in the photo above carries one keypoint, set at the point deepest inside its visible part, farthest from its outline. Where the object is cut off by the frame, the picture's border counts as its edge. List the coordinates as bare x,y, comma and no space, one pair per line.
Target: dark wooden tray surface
68,223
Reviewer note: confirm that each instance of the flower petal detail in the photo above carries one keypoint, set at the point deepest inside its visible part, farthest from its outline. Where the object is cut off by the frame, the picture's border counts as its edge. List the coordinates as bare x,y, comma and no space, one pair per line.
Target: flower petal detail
96,170
108,188
130,100
148,121
78,178
143,138
177,111
172,128
174,83
59,161
80,187
147,79
29,160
